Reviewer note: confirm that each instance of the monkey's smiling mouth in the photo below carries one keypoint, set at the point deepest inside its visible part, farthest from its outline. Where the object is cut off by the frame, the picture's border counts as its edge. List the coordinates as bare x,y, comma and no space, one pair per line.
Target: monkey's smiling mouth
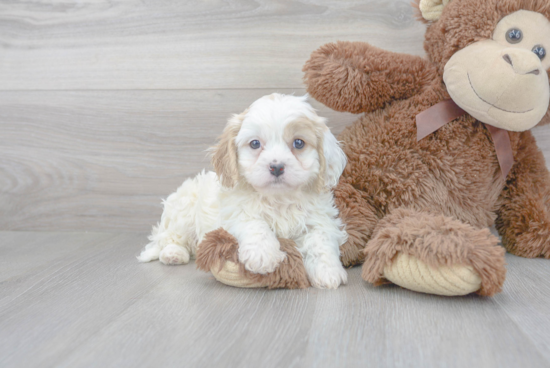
488,103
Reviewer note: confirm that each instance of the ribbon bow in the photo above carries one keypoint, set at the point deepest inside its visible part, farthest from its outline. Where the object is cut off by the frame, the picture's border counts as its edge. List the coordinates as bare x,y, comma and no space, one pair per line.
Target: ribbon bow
446,111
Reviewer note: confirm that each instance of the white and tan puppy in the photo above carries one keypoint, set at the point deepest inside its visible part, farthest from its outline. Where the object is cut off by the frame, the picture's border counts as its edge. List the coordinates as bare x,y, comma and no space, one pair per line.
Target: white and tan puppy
276,164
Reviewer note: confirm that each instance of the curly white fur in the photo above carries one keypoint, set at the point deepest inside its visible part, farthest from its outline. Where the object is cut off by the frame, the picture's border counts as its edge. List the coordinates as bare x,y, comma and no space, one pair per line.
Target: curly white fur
256,206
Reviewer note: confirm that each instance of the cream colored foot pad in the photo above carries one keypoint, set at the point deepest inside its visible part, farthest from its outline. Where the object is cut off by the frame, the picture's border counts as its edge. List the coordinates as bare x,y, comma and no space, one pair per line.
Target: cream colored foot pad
410,273
230,275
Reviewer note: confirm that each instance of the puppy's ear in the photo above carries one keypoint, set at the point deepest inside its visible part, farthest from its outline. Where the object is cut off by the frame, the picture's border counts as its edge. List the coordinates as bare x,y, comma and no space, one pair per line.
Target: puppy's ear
224,157
332,160
320,184
335,159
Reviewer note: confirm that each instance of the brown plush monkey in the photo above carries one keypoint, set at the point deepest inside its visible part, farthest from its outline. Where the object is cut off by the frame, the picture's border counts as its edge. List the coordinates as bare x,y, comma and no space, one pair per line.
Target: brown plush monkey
418,211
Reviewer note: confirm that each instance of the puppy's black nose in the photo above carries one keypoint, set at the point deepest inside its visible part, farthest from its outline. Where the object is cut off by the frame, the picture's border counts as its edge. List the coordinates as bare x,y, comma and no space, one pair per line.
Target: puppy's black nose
277,169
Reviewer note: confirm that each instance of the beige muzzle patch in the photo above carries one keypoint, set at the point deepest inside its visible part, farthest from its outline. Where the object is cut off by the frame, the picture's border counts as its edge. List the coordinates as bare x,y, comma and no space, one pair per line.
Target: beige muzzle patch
432,9
502,82
500,86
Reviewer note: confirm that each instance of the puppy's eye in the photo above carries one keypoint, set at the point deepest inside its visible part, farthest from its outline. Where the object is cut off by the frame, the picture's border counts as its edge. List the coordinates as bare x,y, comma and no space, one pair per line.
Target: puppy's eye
514,35
255,144
299,144
540,51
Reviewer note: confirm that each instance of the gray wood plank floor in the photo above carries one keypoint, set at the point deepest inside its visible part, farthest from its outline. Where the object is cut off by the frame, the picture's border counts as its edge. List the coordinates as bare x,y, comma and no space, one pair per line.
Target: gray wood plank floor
81,299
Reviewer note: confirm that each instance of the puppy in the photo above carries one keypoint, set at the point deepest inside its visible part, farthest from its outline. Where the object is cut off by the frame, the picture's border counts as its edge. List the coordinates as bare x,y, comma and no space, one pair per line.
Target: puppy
275,166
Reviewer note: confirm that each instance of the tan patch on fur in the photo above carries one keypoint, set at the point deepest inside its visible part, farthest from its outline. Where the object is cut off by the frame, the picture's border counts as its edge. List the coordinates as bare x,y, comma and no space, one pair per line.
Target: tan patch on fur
224,159
437,241
219,246
312,134
304,129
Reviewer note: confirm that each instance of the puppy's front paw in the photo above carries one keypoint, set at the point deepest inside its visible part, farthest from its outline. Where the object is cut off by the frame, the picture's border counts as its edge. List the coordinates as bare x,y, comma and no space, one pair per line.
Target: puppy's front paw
260,259
173,254
327,276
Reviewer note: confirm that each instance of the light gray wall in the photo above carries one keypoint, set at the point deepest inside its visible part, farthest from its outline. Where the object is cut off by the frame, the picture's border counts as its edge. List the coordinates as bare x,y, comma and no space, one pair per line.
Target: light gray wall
105,107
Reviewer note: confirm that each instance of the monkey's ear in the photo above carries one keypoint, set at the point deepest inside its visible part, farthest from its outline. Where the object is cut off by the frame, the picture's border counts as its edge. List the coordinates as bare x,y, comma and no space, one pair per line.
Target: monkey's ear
431,9
224,154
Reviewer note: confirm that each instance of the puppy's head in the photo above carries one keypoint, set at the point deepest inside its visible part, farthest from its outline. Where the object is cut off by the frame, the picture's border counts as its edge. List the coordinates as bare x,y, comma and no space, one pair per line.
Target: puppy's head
278,144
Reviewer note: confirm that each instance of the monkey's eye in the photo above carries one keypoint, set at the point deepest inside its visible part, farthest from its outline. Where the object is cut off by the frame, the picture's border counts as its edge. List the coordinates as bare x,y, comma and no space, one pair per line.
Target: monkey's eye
299,144
514,35
540,51
255,144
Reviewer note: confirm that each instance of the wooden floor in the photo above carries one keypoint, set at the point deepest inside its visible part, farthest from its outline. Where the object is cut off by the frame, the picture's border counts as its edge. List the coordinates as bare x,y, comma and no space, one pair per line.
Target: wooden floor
81,299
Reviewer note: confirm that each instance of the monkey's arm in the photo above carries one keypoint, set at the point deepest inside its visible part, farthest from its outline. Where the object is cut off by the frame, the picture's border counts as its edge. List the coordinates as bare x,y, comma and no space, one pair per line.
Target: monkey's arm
357,77
523,217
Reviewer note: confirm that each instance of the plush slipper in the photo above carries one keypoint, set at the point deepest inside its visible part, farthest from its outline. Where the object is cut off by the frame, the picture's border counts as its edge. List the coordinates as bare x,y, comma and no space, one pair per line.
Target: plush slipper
432,253
218,253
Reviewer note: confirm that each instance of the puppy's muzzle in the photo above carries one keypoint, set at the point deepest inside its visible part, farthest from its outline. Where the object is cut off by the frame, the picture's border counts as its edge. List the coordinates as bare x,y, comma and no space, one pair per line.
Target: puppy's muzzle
277,169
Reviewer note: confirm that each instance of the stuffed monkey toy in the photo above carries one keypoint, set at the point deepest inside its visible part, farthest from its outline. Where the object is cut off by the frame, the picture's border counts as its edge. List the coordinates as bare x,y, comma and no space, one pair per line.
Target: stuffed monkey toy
443,150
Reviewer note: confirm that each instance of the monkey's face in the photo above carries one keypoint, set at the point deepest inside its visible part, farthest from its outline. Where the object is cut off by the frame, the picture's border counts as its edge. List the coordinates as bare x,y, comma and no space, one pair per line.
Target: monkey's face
503,81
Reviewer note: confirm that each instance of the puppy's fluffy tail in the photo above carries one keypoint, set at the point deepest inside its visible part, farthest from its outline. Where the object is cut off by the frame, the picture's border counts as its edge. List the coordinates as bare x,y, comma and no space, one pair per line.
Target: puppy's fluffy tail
188,215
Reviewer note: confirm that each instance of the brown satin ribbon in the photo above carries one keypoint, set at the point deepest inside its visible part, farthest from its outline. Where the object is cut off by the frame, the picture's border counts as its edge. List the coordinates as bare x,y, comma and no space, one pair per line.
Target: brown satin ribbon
446,111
